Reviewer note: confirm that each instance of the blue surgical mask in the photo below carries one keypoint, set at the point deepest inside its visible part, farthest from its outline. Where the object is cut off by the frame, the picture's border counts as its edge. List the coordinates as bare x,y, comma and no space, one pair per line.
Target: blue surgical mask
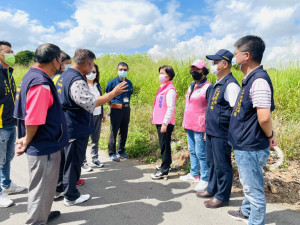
233,61
122,74
67,66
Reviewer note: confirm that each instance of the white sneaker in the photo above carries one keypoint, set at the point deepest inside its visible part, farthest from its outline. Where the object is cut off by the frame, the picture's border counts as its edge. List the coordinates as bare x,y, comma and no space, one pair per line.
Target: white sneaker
189,178
59,195
5,201
85,167
201,186
81,199
13,188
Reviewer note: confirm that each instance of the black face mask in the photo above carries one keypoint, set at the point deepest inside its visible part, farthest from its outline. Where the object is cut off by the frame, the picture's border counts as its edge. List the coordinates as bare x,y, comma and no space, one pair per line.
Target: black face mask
57,71
196,75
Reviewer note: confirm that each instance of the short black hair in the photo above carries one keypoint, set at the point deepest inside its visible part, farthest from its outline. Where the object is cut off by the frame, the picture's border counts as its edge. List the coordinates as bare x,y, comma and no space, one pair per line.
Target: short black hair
252,44
65,56
45,53
205,71
123,64
97,79
5,43
169,70
83,55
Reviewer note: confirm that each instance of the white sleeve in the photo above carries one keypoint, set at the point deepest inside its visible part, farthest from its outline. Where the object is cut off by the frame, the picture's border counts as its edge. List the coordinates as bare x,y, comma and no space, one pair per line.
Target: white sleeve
170,98
82,96
260,93
231,93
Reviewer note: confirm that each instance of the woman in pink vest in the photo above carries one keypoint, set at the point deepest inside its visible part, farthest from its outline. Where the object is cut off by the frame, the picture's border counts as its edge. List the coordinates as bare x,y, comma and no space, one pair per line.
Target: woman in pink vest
194,124
163,117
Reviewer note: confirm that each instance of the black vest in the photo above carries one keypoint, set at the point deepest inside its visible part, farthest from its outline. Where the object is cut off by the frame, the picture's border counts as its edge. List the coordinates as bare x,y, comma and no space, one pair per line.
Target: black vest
52,136
218,109
79,121
7,98
245,132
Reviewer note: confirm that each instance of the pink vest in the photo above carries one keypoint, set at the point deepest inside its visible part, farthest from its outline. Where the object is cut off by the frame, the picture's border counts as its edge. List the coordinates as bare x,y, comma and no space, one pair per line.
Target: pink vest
160,104
195,108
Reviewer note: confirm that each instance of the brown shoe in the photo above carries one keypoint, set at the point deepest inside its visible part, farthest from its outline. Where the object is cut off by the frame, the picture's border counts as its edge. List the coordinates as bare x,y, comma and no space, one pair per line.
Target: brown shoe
214,203
203,194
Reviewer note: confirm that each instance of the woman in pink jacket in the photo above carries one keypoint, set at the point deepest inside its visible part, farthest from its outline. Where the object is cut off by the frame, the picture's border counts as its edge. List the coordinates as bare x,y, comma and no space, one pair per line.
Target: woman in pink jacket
194,124
163,117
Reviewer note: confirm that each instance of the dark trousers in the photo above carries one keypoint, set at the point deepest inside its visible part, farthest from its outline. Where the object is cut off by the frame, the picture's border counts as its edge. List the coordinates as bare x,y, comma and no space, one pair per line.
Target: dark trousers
165,147
95,136
218,156
119,120
70,169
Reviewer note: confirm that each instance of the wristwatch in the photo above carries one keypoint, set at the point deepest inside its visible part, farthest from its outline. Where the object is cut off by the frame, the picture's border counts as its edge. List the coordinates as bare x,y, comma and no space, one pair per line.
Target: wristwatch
271,135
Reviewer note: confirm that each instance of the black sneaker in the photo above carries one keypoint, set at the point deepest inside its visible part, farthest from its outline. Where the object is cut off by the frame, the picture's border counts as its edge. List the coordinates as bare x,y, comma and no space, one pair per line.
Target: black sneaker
158,175
53,215
238,215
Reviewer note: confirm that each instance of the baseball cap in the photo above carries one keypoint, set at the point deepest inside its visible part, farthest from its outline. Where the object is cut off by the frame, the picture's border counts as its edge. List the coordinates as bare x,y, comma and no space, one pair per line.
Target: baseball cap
199,63
222,54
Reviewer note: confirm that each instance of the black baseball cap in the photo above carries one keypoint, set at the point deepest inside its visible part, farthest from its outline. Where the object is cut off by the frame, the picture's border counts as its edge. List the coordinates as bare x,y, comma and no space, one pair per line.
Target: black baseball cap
222,54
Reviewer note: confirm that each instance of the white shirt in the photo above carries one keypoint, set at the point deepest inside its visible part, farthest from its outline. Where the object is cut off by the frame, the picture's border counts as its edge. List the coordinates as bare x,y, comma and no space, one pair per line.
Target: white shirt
231,92
94,90
82,96
170,100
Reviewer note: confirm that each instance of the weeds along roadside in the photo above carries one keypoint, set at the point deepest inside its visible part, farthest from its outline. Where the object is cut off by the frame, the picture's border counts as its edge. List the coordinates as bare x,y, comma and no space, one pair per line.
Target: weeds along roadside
143,72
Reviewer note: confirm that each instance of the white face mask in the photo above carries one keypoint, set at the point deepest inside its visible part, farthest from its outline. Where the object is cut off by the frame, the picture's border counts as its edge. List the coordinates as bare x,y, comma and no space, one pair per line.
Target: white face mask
91,76
214,69
67,66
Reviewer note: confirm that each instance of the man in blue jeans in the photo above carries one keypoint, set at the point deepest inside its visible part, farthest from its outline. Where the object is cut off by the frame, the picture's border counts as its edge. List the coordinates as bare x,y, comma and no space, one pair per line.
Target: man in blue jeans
250,129
7,123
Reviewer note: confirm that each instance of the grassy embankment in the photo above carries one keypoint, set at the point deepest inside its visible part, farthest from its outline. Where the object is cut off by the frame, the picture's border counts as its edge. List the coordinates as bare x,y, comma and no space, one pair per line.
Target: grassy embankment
142,137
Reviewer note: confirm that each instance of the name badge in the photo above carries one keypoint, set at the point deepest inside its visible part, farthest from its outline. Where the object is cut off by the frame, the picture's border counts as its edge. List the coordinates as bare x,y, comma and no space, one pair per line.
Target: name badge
126,99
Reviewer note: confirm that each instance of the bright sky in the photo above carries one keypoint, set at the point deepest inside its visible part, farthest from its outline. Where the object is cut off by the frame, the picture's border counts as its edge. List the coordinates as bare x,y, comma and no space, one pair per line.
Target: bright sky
161,28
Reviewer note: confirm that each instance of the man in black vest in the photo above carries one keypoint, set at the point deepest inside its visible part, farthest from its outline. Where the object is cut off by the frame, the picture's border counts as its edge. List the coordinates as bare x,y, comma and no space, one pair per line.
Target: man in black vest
42,130
7,123
221,100
78,104
250,129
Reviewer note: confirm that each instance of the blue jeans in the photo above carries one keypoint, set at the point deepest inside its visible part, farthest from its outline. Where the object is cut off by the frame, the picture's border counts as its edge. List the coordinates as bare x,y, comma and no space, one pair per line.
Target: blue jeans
7,152
250,165
196,145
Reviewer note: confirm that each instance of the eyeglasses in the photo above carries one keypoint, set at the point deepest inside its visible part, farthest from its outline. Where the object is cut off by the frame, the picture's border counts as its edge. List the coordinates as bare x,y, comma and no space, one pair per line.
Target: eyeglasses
122,69
238,53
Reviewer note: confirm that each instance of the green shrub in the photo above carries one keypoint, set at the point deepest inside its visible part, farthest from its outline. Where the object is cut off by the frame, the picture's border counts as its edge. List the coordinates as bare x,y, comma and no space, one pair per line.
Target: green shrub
143,72
24,57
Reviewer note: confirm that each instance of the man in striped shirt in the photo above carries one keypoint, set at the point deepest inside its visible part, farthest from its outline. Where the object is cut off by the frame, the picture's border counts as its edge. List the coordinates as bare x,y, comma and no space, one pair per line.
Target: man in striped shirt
250,129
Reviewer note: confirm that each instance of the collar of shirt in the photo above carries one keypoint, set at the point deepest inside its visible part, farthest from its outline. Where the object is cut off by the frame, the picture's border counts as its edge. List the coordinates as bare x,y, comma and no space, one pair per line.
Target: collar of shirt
202,82
40,69
244,78
119,79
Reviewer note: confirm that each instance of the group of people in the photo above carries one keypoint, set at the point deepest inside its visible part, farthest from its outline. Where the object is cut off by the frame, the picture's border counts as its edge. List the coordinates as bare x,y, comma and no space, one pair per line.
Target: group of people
57,114
217,118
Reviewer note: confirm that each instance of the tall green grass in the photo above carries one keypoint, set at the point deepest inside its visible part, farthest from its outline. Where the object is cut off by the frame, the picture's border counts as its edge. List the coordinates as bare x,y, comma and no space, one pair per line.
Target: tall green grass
143,72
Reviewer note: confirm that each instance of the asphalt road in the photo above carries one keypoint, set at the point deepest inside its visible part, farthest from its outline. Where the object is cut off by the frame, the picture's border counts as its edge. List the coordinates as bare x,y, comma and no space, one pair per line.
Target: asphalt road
123,193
